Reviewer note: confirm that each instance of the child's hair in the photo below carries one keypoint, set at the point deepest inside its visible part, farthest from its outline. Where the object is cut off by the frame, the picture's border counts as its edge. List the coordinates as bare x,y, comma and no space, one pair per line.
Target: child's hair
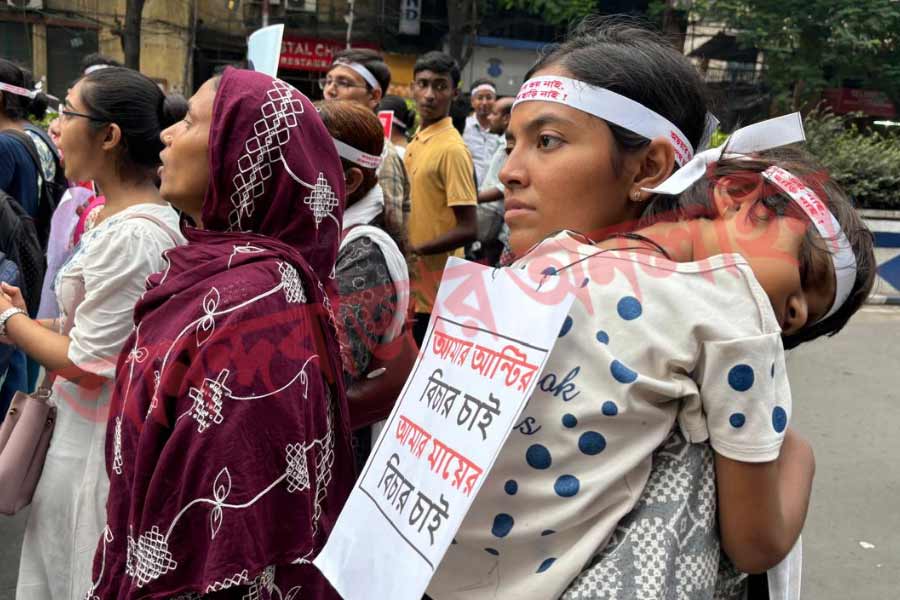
356,126
624,56
697,202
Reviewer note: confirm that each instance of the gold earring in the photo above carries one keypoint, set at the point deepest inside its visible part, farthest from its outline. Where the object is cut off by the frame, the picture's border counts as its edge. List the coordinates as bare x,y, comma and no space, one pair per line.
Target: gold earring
636,195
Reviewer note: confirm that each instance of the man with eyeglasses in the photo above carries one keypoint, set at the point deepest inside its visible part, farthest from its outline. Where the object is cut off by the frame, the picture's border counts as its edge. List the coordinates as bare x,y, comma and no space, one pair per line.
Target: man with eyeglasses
360,75
442,219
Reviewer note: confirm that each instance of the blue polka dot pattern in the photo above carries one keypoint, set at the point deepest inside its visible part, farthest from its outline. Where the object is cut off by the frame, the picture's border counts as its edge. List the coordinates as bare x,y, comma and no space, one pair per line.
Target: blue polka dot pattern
621,373
779,419
546,565
585,282
740,378
503,524
772,373
610,409
569,420
547,532
566,326
492,551
602,337
566,486
737,420
538,457
511,487
629,308
591,443
549,271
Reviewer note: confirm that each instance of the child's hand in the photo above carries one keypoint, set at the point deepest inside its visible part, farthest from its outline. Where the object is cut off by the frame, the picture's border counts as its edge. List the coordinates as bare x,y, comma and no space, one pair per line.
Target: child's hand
13,295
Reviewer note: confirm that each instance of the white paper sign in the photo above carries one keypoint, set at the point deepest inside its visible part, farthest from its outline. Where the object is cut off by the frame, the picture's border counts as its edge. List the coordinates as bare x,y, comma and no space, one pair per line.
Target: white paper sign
485,348
264,49
410,16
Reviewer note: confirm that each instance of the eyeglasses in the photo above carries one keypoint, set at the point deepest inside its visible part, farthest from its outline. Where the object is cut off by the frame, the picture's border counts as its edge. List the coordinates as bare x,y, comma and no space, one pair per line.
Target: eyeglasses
71,113
324,82
438,85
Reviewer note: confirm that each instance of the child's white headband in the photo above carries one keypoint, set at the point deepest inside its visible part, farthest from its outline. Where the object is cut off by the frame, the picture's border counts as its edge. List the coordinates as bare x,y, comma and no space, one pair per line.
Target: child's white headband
765,135
609,106
367,161
362,70
95,68
828,227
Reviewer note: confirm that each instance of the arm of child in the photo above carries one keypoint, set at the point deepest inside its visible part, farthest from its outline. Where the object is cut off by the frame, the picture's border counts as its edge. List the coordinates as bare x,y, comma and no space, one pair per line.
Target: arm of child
762,506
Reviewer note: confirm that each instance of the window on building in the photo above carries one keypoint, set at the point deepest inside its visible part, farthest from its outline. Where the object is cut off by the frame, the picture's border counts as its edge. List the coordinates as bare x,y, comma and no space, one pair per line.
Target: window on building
65,49
15,43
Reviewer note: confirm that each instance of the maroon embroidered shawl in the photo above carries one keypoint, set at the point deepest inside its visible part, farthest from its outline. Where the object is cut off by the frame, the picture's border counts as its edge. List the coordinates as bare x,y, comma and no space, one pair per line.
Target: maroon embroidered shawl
228,446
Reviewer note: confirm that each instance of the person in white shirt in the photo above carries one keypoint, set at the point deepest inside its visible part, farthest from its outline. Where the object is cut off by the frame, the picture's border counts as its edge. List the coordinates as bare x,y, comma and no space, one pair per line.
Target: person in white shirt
479,139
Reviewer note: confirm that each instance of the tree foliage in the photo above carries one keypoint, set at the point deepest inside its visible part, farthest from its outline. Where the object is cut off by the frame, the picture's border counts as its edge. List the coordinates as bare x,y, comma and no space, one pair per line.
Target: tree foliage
555,12
813,44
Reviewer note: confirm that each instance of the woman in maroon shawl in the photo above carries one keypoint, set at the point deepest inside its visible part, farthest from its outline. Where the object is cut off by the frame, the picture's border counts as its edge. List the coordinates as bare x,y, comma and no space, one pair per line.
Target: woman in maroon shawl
228,448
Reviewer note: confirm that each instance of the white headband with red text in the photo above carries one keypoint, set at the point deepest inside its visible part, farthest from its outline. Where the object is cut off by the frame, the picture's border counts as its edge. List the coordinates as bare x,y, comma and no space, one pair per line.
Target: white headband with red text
362,71
18,91
484,87
828,227
366,161
609,106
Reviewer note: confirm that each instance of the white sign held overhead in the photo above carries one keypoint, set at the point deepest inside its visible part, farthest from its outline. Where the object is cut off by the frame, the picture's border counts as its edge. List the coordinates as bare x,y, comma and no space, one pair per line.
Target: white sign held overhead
410,16
477,367
264,49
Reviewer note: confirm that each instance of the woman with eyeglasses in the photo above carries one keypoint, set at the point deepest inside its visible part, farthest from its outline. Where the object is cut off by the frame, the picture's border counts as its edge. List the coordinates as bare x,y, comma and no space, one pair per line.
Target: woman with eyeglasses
110,127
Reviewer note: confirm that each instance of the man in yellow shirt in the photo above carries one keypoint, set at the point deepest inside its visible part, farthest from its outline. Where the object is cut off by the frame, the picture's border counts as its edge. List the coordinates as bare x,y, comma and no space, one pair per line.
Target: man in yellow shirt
442,182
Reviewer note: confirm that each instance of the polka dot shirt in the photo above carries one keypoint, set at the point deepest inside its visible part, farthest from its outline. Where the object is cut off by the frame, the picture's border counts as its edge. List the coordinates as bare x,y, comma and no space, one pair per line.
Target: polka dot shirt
647,344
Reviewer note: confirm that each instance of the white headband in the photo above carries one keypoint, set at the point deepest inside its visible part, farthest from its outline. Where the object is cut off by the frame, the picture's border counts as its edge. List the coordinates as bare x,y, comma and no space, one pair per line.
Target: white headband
828,227
18,91
484,87
362,70
765,135
609,106
93,68
367,161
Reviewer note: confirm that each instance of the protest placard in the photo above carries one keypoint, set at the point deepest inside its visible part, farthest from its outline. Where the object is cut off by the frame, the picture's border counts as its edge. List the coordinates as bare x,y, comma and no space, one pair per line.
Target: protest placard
387,121
475,371
264,49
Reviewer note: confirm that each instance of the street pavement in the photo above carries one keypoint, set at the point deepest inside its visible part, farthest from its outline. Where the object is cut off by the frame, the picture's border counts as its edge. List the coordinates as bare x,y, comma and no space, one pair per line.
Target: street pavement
847,402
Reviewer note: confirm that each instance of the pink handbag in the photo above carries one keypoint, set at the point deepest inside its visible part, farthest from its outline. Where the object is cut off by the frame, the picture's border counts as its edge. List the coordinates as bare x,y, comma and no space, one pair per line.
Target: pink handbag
24,439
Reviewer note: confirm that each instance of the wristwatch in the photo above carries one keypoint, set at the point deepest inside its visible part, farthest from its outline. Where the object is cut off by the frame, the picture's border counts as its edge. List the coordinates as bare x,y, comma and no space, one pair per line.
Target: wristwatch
6,315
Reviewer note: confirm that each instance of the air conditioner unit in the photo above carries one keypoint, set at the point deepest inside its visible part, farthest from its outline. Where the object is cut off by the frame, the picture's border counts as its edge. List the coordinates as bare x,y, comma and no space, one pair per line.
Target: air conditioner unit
32,4
301,5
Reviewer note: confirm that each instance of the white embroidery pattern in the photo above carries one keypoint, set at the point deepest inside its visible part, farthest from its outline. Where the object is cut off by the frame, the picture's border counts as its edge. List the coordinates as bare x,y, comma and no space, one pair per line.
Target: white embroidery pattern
149,558
243,249
221,489
207,323
321,199
117,447
271,131
297,473
106,538
207,405
236,579
290,282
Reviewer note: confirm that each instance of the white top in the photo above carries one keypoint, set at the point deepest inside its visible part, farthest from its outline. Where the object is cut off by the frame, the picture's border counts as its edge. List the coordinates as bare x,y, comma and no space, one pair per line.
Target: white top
647,342
112,262
482,145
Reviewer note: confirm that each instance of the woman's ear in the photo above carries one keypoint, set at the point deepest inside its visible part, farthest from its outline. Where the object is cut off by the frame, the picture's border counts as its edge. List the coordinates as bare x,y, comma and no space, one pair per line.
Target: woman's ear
353,178
657,161
112,137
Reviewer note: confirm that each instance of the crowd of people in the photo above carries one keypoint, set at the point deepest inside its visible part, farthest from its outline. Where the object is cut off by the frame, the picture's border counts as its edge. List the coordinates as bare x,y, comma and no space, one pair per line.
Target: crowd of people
227,295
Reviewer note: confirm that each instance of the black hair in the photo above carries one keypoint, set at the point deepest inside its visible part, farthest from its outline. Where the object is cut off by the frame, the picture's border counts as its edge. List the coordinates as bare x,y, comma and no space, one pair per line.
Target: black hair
137,105
507,110
438,62
744,173
371,60
95,58
478,82
400,109
622,55
18,107
459,112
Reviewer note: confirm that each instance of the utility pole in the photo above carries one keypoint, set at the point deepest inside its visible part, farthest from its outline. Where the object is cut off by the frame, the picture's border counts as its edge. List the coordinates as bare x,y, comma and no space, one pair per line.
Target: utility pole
265,13
188,78
349,20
